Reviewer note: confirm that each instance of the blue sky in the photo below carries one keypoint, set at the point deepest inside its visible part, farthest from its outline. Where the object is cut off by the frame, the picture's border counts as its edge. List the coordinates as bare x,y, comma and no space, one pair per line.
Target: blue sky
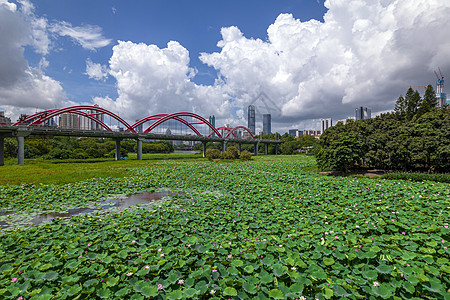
194,24
310,59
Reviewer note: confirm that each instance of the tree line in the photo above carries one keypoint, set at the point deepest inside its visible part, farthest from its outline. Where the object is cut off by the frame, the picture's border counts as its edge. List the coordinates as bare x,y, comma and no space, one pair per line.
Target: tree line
414,137
81,148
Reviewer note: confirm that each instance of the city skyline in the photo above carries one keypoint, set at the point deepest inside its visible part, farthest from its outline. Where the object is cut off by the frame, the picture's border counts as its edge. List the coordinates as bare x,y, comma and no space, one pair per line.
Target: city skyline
214,58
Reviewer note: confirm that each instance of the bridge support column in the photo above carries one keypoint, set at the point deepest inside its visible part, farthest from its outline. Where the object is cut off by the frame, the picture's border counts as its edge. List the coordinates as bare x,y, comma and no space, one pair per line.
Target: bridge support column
204,149
139,149
256,148
239,148
276,149
20,136
2,151
224,146
117,149
21,150
266,146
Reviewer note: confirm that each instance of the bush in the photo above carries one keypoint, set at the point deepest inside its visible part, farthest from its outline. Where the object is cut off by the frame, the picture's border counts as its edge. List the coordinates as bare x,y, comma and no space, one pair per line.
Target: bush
213,154
245,155
231,153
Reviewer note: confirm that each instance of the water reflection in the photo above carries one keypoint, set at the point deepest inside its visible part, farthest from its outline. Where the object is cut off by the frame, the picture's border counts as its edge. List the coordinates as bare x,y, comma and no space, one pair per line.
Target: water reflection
138,199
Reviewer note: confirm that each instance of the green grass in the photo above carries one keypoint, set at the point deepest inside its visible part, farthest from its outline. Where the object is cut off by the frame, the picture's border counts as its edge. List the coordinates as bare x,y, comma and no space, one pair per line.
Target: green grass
69,171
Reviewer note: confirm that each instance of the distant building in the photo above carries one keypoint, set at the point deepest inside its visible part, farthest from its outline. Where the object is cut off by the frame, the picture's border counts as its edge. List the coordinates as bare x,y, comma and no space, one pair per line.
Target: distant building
267,123
4,120
325,124
293,132
362,113
69,121
139,128
251,118
310,132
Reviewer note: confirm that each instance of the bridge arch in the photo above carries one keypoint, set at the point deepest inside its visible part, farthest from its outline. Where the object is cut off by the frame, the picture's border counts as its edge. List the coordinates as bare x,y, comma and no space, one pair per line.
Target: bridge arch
177,116
40,117
231,130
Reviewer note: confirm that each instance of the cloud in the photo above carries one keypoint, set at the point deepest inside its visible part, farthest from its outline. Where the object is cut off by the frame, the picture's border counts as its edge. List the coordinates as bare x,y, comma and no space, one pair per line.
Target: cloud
21,85
88,36
364,53
96,71
154,80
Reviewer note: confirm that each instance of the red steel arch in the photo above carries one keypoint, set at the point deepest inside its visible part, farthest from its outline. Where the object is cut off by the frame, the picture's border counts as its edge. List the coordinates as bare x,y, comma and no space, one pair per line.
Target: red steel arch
231,130
159,116
176,116
40,117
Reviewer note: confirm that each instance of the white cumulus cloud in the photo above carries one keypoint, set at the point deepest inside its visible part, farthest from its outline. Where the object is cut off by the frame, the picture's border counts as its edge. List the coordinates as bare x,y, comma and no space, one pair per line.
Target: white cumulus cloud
154,80
96,71
364,53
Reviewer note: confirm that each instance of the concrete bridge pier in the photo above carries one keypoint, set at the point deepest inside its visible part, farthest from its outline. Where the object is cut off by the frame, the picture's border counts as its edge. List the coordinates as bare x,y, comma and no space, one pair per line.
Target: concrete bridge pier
224,146
139,149
20,136
266,146
256,148
276,149
2,151
117,149
239,148
204,149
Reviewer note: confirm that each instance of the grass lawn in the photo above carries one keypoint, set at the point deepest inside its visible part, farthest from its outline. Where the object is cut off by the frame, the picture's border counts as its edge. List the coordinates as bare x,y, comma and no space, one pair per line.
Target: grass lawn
67,171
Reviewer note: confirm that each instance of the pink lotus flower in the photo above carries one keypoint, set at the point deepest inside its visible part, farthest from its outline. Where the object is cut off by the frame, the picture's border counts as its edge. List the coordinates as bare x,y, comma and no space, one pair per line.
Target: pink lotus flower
159,286
376,284
14,279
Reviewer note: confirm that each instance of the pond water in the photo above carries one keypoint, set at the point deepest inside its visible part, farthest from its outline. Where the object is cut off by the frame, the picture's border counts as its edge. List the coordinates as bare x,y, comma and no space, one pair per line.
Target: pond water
109,203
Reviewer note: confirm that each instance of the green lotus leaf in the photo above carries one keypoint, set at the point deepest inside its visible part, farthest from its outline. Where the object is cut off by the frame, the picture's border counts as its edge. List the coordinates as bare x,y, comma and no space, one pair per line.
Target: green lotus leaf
190,292
229,291
384,269
276,294
328,261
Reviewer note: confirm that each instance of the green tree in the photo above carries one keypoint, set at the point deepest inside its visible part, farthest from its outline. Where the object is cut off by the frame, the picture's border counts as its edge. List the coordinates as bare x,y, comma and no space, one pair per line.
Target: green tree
429,101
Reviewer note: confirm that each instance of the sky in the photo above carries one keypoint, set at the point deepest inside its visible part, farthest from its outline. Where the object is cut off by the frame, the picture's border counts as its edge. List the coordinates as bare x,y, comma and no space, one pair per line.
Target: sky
300,60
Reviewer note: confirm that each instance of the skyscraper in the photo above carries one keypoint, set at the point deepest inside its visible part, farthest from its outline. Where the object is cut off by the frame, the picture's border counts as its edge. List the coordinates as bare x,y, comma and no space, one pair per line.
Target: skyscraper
267,123
325,124
362,113
251,119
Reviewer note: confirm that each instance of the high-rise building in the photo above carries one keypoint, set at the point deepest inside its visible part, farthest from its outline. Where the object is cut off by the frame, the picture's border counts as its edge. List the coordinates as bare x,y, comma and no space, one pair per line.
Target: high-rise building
251,119
69,121
362,113
267,123
4,120
293,132
139,128
325,124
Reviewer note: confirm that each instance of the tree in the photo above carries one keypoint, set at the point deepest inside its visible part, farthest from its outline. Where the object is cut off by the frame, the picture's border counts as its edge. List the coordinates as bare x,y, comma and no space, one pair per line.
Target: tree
429,101
412,101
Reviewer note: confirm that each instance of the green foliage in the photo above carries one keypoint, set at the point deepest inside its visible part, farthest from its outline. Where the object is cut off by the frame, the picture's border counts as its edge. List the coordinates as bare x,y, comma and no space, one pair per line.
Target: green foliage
213,154
231,153
262,230
70,147
414,138
291,146
418,177
245,155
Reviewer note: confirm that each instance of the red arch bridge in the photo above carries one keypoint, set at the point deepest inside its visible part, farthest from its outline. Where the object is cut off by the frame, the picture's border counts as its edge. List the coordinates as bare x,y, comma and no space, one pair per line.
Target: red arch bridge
38,124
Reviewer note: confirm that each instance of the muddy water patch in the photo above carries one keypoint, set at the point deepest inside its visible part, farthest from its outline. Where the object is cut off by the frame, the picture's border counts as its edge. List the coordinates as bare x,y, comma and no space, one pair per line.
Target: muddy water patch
110,204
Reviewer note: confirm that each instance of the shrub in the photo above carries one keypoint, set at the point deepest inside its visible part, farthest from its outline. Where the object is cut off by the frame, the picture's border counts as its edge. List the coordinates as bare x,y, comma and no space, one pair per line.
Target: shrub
228,155
233,151
245,155
213,154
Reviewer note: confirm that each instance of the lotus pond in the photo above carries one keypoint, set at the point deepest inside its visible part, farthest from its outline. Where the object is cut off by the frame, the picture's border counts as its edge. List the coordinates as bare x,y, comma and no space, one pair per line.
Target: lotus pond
262,229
